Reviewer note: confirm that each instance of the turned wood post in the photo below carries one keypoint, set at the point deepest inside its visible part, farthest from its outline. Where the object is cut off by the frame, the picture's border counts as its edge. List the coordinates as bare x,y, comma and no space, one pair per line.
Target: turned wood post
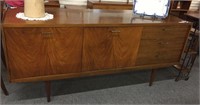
48,90
152,77
3,87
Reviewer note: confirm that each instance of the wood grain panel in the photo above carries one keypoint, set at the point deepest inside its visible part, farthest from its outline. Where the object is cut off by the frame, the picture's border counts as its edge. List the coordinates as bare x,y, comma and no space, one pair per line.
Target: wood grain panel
159,57
126,45
167,28
87,17
53,49
65,50
114,47
26,52
98,51
167,32
162,44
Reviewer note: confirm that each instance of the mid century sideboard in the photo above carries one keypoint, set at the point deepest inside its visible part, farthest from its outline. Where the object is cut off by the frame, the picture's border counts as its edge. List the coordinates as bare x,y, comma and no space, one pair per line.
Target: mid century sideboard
78,43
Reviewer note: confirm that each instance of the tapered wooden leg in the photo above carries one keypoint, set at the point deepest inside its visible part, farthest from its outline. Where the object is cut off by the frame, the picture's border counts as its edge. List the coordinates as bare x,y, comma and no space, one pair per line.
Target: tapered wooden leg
153,74
3,87
48,90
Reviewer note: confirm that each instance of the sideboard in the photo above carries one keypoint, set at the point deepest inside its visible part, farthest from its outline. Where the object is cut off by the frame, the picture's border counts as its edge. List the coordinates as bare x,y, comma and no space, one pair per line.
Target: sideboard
78,43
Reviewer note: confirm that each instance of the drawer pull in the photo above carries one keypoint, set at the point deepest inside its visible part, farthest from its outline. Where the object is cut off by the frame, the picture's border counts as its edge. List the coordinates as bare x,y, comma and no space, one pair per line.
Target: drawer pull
158,55
163,43
115,31
164,29
47,34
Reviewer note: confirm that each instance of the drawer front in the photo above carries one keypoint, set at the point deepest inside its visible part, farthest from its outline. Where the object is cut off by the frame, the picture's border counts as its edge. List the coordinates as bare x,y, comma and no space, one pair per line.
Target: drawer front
158,57
161,44
167,32
152,51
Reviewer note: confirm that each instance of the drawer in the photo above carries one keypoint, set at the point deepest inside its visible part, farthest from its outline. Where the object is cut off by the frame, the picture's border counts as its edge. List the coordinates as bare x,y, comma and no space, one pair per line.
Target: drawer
164,32
160,50
158,56
165,29
161,44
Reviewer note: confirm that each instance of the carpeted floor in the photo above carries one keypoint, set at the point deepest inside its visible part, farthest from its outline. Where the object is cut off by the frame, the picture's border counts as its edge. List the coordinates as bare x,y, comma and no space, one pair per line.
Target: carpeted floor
125,88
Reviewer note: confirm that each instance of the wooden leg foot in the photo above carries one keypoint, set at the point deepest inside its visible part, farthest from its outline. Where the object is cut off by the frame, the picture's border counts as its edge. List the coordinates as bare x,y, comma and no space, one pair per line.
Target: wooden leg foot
3,87
48,90
153,71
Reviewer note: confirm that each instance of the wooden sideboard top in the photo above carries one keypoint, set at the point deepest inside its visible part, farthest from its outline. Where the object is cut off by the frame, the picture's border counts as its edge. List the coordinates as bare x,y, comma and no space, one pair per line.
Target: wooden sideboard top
85,17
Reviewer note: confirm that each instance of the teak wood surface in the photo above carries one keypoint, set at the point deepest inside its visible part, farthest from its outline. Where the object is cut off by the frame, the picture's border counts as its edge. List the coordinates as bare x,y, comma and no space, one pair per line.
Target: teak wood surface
78,43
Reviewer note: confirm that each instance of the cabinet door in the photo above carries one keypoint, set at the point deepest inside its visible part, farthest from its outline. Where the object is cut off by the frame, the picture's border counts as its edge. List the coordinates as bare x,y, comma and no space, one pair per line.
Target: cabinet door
110,48
162,44
65,50
34,52
98,50
126,45
26,52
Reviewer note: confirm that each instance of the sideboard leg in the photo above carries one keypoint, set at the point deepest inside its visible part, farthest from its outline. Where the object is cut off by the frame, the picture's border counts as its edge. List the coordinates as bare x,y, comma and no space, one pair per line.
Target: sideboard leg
3,87
153,73
48,90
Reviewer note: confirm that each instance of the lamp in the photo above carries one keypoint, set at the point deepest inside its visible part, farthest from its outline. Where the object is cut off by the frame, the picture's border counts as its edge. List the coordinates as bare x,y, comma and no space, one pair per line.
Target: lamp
34,8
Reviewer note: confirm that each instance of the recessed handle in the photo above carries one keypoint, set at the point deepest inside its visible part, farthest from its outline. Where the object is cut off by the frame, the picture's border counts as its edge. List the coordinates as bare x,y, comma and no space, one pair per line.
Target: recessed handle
115,31
163,43
47,34
166,29
157,56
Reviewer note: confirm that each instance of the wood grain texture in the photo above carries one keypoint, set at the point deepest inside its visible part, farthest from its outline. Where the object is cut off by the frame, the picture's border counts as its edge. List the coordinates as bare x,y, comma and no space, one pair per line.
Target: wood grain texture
161,44
65,50
92,73
43,51
79,43
106,48
26,52
126,46
98,52
86,18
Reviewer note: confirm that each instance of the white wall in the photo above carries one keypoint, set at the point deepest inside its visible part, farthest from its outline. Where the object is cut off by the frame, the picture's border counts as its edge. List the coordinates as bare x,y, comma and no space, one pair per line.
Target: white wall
195,4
